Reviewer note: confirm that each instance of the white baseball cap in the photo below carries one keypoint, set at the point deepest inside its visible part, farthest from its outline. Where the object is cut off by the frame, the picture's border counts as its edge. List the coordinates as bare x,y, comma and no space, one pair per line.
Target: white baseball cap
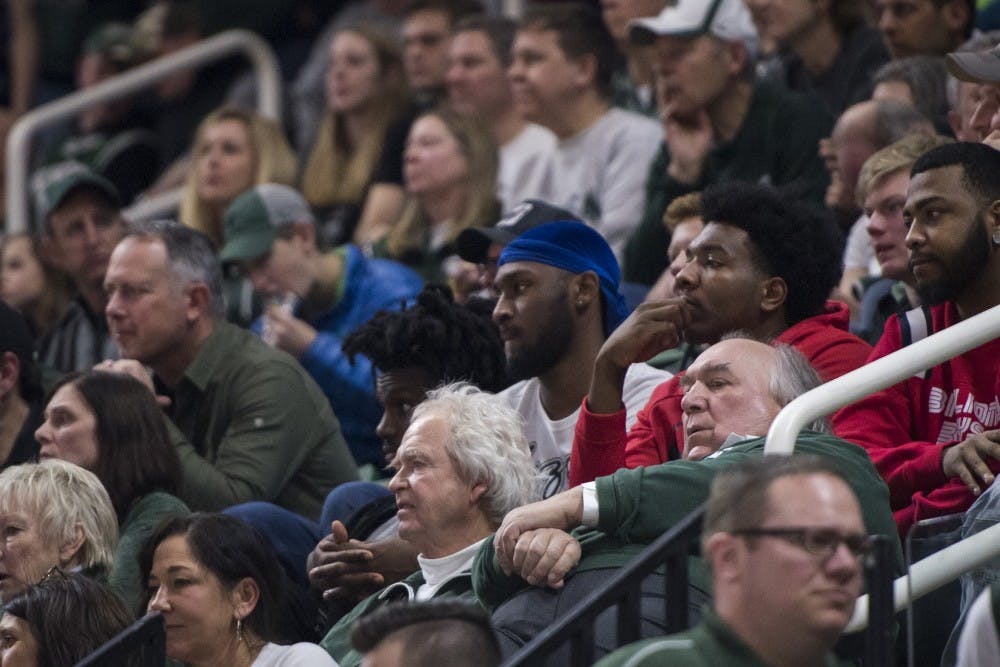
726,19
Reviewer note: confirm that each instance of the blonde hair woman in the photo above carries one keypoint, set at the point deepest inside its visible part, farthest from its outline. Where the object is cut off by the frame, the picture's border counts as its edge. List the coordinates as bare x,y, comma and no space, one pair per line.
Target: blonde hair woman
233,150
53,514
365,94
449,173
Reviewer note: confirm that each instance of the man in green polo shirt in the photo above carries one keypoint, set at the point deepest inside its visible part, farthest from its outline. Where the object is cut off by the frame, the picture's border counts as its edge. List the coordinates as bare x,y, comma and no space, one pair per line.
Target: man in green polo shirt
247,420
783,538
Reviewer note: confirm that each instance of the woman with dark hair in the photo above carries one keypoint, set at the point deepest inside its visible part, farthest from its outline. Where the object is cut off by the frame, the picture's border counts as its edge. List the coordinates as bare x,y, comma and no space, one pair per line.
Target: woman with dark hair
220,589
60,621
110,424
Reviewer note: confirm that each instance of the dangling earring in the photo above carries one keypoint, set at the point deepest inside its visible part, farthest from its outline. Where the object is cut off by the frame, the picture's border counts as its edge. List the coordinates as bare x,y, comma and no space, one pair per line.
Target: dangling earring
239,630
996,237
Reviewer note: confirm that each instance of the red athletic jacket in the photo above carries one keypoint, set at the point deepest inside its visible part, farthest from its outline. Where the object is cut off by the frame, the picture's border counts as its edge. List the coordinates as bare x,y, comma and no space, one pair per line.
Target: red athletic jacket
906,428
601,446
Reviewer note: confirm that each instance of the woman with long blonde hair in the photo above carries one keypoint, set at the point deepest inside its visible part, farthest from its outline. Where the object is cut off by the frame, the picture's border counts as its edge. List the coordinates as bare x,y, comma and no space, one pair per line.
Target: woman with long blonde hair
234,150
366,93
449,173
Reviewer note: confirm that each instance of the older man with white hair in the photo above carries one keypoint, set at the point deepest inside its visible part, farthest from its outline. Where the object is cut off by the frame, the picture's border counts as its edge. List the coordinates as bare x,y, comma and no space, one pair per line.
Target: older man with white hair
463,464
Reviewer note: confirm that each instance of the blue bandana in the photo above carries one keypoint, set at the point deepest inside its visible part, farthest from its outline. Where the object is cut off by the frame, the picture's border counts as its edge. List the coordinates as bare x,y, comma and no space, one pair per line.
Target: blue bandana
573,247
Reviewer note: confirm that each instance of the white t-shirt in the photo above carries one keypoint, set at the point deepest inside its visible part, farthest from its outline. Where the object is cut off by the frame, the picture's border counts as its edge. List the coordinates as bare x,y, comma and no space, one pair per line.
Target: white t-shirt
978,645
526,166
302,654
551,441
601,173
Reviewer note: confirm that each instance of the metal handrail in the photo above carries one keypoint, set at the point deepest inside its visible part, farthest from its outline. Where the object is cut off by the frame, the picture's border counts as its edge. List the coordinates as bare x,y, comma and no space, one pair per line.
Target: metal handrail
949,563
223,45
622,590
879,374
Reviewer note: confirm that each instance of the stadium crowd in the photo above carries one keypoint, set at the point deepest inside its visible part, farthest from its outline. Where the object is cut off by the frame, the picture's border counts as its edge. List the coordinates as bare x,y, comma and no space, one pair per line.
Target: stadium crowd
510,291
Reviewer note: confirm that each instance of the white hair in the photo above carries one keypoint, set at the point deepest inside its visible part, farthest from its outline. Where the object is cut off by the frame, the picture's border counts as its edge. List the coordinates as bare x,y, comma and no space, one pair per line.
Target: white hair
487,445
61,497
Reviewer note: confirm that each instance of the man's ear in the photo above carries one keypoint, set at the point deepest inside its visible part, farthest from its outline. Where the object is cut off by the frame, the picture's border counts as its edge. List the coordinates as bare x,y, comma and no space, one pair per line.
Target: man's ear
585,68
49,251
738,56
10,372
724,554
306,232
199,301
585,289
774,291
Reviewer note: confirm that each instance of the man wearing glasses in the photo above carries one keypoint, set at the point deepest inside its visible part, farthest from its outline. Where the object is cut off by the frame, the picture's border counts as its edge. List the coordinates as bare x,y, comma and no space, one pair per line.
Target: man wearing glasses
784,540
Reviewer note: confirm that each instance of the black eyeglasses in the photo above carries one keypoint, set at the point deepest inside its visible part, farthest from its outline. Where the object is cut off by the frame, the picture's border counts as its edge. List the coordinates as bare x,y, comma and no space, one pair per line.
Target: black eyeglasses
820,542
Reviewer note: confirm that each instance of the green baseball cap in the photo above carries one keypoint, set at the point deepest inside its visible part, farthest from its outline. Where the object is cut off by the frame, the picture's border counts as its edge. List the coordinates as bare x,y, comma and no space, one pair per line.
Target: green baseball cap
51,185
252,221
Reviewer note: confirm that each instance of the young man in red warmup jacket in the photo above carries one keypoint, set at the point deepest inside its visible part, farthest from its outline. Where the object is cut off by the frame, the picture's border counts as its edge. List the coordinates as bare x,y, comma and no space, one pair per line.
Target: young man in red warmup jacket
764,265
933,436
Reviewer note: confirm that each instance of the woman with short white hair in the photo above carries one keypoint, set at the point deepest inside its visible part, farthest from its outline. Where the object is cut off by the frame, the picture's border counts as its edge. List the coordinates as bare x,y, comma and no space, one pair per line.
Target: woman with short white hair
53,515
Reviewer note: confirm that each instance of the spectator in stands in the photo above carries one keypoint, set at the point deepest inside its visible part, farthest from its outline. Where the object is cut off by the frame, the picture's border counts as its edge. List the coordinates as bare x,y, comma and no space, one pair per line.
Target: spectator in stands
220,590
181,101
756,242
784,542
80,213
110,425
976,68
317,299
438,633
734,390
113,137
918,81
365,94
683,222
964,96
61,621
30,284
53,514
932,436
482,245
829,50
860,131
562,62
450,174
20,390
233,151
478,86
426,34
462,465
882,193
930,27
558,303
719,124
432,342
247,420
633,84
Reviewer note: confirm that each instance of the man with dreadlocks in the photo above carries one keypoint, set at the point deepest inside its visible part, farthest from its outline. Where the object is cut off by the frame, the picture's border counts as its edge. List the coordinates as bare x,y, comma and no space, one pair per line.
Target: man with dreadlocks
414,350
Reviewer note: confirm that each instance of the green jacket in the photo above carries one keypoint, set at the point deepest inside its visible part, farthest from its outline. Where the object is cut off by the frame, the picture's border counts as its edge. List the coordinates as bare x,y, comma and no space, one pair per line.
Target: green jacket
709,644
250,424
338,640
143,517
636,506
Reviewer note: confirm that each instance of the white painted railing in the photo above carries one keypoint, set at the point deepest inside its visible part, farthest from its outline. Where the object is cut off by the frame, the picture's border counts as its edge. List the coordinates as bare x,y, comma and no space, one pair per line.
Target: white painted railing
949,563
223,45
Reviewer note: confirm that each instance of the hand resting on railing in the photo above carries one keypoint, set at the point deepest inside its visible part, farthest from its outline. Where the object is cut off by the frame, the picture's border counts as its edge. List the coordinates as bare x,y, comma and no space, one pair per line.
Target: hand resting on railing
544,556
